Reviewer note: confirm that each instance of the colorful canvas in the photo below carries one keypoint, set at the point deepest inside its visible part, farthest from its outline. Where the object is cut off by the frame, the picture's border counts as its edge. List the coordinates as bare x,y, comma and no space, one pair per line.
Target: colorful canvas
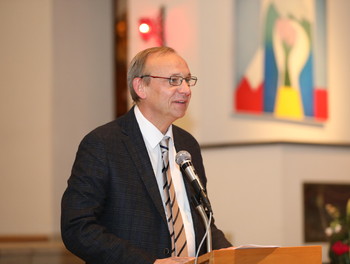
281,59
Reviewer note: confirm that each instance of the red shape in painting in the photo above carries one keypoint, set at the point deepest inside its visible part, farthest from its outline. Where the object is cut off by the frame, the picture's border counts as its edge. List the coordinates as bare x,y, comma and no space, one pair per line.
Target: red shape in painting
248,99
321,105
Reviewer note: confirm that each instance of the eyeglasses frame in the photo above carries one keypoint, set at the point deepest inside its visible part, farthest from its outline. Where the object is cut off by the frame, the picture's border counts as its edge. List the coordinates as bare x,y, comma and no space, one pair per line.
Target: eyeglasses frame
193,78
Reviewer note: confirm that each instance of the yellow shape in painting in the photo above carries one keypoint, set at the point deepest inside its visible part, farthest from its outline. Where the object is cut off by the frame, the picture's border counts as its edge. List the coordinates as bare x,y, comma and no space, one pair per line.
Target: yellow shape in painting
288,103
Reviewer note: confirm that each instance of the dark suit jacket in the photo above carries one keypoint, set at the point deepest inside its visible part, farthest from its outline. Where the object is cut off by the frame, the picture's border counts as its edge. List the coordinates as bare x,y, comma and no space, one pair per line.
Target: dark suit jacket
112,211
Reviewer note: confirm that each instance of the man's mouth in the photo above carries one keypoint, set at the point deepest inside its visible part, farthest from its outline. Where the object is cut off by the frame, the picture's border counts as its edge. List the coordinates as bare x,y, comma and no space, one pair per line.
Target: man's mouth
181,101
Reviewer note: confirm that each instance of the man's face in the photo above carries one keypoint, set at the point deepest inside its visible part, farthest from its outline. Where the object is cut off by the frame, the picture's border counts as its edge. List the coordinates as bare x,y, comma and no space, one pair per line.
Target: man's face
164,103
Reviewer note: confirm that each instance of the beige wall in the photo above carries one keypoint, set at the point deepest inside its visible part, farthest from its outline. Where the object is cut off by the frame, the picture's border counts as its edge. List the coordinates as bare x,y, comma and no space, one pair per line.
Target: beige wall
56,66
26,116
56,84
256,192
82,81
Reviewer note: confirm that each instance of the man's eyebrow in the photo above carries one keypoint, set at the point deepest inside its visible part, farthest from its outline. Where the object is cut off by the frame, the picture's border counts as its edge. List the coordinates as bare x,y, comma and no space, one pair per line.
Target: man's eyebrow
180,74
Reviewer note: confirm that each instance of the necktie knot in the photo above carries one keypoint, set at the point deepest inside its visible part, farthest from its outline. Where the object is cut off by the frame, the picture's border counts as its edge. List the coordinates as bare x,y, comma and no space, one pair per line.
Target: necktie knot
164,147
164,143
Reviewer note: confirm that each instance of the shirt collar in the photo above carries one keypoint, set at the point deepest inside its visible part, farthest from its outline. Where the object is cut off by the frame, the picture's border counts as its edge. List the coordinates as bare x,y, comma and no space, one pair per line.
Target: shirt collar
149,131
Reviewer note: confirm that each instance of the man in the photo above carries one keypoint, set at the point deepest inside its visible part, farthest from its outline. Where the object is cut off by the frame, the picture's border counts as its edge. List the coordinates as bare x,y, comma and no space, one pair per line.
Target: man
113,209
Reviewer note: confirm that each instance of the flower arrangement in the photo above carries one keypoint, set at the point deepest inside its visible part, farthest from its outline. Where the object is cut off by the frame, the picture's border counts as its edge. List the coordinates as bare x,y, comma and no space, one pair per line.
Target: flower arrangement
338,233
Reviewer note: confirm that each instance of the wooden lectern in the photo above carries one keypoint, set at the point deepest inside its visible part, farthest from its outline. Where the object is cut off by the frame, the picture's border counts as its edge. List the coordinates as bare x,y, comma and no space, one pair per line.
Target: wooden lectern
263,255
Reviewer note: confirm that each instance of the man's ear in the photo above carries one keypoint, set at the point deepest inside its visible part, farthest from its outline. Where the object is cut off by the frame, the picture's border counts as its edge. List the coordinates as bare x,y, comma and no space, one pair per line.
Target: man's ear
139,87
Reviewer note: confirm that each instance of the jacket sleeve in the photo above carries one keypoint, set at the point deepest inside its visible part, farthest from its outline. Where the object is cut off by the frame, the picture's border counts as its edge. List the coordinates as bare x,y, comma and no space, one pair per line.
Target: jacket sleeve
83,201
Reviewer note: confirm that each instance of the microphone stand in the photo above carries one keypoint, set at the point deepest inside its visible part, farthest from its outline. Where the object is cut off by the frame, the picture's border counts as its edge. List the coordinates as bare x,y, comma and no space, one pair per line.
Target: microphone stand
199,207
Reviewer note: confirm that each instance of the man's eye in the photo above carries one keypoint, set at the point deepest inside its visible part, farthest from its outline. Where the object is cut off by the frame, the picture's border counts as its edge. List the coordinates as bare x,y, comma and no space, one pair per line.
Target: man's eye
175,79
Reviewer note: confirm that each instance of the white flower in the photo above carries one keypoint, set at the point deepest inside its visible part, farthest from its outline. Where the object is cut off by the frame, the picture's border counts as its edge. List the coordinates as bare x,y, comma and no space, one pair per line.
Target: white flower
329,231
337,228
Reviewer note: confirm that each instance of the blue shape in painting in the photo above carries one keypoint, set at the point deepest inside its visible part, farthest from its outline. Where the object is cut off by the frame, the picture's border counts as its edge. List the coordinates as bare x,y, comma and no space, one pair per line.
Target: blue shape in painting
270,66
270,79
306,83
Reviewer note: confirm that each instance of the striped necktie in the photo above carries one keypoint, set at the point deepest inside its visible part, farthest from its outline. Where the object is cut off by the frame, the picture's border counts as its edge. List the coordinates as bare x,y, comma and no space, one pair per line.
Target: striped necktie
174,218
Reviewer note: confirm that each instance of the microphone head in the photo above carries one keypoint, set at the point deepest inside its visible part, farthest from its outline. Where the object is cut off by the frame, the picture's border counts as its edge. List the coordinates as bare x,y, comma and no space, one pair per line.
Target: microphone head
182,156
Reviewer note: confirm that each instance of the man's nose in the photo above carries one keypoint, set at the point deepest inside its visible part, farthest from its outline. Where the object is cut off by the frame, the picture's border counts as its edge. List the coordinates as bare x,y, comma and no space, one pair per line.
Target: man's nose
184,88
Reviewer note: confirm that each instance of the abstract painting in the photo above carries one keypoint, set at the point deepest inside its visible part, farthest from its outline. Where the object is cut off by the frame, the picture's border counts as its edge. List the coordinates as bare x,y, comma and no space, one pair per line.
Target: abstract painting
281,59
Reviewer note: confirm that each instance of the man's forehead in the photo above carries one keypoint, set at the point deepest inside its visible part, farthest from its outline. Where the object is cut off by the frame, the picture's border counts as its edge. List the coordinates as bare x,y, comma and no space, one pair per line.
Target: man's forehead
159,56
170,60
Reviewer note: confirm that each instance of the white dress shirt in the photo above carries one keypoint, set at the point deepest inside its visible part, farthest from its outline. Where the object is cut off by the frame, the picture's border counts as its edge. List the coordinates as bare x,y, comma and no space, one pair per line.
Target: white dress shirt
152,137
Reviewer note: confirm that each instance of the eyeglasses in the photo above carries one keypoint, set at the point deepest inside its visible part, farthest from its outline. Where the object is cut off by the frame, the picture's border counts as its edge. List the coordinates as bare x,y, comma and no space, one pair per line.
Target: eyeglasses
175,80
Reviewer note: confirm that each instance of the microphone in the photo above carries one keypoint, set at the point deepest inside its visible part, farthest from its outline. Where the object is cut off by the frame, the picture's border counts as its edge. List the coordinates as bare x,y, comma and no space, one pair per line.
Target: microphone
183,159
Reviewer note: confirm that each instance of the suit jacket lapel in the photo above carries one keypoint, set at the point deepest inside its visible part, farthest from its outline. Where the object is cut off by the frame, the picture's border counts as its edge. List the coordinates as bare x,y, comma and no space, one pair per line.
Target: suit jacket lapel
138,152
